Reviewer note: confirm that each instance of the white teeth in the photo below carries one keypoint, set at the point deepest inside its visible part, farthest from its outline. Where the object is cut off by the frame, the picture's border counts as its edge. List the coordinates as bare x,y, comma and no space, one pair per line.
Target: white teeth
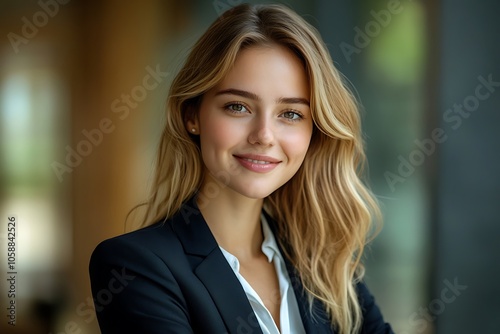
260,162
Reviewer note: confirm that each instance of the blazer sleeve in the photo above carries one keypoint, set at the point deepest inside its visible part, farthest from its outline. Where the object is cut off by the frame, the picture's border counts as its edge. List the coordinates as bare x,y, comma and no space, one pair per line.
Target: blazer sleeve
373,322
134,291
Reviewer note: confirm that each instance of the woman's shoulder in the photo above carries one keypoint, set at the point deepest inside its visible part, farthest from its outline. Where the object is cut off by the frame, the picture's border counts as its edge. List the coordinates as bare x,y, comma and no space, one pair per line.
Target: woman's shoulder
373,321
155,240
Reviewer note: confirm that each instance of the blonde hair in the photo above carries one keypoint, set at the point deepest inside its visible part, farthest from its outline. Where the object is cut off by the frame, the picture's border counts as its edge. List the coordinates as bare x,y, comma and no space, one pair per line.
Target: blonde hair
324,213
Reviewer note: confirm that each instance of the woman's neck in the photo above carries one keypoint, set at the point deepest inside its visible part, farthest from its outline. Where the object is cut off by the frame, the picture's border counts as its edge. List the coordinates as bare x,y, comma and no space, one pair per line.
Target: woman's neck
234,220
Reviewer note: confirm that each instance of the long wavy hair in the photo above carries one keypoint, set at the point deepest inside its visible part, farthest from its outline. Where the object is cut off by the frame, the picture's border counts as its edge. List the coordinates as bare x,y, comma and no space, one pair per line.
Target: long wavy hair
324,212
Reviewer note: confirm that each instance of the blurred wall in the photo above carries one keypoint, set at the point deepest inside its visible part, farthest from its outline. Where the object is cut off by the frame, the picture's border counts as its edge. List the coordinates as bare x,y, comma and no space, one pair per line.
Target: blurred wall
468,184
79,81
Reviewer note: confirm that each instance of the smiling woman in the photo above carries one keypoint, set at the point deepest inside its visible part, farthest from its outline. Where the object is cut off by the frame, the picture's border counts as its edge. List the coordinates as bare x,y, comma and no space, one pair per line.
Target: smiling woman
259,112
257,117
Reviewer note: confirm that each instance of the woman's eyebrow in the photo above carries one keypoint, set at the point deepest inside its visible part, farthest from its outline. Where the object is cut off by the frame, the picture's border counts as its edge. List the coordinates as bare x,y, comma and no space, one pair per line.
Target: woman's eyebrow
252,96
293,100
238,92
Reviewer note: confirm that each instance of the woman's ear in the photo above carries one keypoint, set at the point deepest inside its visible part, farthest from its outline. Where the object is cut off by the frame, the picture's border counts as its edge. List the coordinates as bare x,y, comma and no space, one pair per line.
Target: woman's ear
192,127
192,122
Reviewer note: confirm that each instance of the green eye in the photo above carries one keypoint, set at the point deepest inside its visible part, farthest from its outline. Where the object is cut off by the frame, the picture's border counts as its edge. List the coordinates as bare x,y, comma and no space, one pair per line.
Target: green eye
292,115
236,108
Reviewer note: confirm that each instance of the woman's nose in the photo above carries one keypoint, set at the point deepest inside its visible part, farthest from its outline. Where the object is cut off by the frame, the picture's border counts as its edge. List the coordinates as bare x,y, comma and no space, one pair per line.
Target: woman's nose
262,133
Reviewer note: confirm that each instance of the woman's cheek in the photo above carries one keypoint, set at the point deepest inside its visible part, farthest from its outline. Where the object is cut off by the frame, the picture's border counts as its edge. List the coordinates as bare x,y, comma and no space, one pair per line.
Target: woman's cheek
223,131
296,143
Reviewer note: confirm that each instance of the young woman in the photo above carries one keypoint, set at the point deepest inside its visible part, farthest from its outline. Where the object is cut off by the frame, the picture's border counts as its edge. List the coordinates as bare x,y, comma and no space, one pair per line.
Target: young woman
258,217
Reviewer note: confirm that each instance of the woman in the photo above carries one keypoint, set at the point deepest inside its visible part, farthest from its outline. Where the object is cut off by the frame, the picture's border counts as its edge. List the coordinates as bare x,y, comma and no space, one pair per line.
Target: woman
258,218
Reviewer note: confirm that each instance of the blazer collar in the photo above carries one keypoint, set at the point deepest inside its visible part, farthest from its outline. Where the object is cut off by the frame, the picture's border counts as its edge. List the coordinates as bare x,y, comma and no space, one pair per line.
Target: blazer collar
192,230
213,270
197,240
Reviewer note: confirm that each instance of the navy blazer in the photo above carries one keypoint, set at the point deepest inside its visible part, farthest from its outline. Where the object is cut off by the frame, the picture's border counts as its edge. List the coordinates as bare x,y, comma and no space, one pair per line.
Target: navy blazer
171,277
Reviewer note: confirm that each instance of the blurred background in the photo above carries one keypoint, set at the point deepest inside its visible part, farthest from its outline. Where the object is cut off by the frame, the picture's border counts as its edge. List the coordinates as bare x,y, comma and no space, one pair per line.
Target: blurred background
82,90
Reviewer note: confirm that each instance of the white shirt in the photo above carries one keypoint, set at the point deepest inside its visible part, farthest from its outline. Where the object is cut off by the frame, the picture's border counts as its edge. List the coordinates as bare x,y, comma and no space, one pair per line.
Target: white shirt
290,320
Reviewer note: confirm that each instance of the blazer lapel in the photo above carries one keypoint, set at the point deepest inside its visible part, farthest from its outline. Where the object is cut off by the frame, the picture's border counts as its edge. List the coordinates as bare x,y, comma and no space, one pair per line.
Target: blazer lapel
228,295
317,322
214,271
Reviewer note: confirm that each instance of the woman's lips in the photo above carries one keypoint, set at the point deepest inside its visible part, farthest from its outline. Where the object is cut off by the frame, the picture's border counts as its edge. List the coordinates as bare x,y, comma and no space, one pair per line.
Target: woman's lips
257,163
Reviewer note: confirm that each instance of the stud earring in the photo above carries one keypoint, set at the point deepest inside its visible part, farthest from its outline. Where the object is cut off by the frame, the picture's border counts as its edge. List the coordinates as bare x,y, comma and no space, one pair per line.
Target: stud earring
193,130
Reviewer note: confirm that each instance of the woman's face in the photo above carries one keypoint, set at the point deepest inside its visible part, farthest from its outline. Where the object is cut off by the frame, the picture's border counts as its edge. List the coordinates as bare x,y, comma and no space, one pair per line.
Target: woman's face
256,125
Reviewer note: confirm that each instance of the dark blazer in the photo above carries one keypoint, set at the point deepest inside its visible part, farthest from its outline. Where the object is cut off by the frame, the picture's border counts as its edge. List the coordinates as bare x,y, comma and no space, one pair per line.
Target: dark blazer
171,277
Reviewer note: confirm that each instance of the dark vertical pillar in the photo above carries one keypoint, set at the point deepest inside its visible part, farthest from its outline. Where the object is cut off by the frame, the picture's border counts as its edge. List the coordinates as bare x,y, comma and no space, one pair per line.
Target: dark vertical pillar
466,285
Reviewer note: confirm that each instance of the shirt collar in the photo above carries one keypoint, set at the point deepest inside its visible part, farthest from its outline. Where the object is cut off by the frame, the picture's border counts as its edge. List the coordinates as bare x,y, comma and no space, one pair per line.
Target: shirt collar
269,245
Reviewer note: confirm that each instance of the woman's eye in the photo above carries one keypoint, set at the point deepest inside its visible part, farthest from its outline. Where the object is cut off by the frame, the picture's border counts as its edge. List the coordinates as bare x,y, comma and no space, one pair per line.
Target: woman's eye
292,115
236,108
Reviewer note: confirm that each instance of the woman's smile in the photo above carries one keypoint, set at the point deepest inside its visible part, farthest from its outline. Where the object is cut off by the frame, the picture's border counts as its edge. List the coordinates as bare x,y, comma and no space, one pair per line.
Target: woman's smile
257,163
257,120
